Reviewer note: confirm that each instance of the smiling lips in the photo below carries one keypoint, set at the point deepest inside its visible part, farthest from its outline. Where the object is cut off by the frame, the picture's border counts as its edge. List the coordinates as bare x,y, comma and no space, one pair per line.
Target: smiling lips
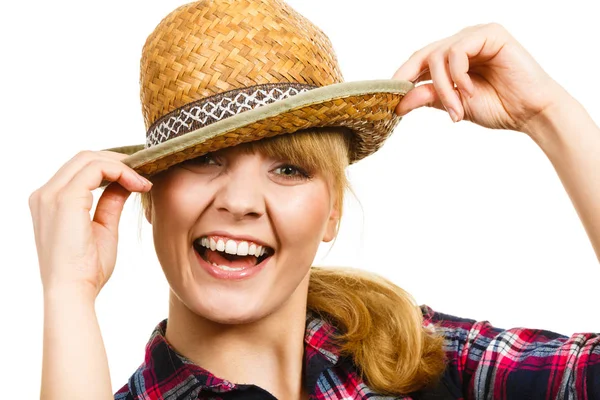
231,255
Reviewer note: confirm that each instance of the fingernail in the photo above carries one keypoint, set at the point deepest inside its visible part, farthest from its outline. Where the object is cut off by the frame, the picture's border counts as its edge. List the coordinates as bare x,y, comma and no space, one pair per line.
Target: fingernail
453,114
464,93
402,113
145,181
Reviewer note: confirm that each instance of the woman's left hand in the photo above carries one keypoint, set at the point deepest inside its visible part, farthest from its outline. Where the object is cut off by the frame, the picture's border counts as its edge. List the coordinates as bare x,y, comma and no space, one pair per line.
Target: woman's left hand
481,74
484,75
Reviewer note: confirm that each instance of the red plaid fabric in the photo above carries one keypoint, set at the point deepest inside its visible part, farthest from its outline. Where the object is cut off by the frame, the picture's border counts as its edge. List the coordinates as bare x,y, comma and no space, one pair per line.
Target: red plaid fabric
483,363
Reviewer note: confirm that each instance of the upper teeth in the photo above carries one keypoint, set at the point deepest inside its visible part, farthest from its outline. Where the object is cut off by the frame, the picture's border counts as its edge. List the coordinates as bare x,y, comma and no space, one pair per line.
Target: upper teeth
231,247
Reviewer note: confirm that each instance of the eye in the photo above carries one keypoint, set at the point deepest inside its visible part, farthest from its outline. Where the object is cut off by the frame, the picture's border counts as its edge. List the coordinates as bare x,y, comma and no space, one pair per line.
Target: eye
291,172
206,159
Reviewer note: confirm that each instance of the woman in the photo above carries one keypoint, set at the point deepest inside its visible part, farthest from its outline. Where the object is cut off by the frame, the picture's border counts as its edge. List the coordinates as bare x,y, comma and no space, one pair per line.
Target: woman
237,217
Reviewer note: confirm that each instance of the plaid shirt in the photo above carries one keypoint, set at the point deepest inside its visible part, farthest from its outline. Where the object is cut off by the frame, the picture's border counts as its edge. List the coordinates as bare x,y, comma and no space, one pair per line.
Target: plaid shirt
483,363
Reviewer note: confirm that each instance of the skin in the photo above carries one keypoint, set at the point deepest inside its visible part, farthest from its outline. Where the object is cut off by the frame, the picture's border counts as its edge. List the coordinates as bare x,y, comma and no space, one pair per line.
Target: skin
242,194
481,74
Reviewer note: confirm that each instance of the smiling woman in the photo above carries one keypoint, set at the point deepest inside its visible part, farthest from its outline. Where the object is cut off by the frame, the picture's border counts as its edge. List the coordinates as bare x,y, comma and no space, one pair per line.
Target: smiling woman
239,197
250,128
282,175
287,192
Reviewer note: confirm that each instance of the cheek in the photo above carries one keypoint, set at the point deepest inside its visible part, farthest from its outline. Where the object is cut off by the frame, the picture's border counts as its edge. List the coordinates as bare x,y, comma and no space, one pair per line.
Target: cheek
300,219
177,206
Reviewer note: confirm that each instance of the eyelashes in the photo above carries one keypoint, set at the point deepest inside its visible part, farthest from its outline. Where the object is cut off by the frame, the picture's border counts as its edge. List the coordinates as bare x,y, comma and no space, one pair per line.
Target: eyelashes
292,172
285,171
207,159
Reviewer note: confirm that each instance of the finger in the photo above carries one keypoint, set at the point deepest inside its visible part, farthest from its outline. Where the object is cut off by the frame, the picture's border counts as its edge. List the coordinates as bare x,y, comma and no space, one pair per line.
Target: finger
416,65
423,77
458,64
110,206
66,173
423,95
458,60
90,177
440,75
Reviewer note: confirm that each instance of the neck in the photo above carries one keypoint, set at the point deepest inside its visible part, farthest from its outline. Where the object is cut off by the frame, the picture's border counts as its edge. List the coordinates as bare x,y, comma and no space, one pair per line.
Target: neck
268,352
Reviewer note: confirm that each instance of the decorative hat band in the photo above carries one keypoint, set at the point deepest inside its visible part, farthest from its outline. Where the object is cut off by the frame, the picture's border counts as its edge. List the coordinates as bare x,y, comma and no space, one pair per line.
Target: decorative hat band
217,73
204,112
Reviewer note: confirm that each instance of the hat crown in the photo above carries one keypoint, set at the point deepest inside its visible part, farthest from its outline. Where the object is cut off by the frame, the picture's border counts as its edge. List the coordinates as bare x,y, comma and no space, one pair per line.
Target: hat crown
209,47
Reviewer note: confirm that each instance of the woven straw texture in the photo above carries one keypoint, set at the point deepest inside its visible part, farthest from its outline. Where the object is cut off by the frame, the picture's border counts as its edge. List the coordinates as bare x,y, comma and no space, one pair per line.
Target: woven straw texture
213,48
372,128
208,47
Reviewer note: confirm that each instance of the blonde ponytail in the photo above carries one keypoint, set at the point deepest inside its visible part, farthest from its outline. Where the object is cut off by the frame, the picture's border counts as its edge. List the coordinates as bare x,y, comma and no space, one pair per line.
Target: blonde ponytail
381,329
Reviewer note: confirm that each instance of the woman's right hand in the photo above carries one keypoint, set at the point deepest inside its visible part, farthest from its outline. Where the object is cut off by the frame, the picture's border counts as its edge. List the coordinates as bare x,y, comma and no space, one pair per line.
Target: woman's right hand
76,252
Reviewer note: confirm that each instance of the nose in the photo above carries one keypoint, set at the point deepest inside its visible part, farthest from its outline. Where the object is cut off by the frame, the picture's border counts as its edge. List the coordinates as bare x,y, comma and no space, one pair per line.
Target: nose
241,194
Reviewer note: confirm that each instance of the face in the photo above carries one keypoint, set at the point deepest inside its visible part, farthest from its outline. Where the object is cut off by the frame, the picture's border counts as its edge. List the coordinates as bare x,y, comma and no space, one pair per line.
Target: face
236,232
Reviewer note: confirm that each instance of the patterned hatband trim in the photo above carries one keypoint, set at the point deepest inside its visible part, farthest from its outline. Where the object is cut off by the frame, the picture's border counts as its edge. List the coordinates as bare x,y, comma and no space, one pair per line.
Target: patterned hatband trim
207,111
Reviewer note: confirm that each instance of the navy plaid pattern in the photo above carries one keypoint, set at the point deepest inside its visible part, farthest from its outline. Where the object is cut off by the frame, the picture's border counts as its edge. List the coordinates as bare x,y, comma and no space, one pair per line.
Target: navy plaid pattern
484,362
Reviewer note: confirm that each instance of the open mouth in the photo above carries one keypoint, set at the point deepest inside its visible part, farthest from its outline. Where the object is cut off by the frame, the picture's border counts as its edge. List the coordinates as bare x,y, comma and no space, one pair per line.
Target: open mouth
231,254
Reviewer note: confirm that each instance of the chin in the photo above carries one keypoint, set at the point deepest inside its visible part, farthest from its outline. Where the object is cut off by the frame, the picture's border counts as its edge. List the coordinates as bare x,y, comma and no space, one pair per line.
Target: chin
233,309
239,302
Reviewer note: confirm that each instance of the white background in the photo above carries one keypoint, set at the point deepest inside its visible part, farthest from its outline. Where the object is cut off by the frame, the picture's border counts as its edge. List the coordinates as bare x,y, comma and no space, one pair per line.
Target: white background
472,222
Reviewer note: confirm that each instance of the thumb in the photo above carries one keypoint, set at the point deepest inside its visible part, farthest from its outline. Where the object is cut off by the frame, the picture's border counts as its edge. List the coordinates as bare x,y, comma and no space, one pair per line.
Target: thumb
420,96
110,205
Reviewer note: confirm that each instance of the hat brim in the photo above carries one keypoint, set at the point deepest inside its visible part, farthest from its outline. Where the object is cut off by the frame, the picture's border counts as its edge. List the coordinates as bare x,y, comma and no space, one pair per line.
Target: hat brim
366,107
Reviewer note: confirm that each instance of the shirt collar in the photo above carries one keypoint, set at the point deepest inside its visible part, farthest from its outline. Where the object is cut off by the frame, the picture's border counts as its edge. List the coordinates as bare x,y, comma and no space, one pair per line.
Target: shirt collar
165,371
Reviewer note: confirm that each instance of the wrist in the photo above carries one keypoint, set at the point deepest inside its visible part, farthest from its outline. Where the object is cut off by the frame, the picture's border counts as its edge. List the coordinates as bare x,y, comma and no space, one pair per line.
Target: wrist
552,125
70,294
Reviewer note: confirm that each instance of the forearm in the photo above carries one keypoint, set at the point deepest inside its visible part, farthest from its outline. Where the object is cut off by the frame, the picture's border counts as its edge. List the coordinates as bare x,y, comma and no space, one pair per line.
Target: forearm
74,361
571,140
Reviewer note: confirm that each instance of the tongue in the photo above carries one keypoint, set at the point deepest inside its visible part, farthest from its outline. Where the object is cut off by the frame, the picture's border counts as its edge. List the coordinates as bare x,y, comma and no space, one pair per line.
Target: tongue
235,261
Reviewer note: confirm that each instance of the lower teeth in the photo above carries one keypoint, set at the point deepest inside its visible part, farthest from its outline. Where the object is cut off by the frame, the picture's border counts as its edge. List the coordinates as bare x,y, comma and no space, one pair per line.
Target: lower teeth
226,268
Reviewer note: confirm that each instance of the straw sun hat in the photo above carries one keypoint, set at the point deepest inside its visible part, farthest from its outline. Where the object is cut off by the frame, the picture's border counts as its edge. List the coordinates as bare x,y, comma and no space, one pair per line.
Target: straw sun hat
217,73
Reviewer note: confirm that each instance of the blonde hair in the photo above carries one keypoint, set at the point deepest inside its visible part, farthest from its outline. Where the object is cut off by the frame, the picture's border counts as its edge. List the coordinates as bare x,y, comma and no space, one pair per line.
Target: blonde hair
380,325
